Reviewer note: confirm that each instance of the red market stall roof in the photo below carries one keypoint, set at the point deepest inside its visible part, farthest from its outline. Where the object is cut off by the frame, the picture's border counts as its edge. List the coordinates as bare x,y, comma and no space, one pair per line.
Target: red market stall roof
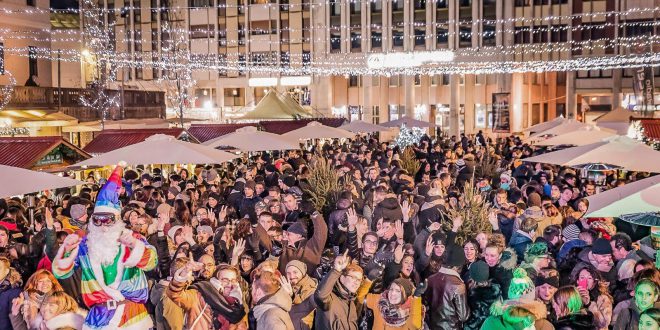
39,152
651,128
110,140
284,126
206,132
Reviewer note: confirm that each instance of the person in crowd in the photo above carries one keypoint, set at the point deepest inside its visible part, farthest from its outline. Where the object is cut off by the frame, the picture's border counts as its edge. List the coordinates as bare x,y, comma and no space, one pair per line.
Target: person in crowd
303,286
569,310
646,297
398,307
482,293
58,311
650,319
272,304
447,295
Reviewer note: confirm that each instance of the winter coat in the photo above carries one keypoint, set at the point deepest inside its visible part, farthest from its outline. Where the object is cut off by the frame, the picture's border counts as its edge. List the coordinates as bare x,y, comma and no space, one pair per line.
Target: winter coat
388,208
413,322
628,318
198,312
73,320
10,288
336,308
584,321
337,216
519,242
168,316
479,300
301,291
502,273
583,262
430,212
272,312
446,298
307,251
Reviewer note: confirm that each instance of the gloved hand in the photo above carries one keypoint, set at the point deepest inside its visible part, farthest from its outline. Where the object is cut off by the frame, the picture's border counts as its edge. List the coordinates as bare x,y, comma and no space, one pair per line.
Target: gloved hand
421,288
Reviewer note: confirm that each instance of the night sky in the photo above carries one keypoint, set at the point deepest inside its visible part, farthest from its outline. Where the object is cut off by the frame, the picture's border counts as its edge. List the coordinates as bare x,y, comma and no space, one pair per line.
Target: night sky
63,4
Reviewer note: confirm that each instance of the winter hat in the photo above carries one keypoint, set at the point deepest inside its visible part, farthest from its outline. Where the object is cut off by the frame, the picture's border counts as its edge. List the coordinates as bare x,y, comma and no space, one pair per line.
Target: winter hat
479,271
301,266
172,232
552,280
627,269
571,232
298,228
521,285
601,246
215,196
533,212
536,250
506,175
107,199
456,258
289,181
406,286
77,211
534,199
205,229
439,238
239,185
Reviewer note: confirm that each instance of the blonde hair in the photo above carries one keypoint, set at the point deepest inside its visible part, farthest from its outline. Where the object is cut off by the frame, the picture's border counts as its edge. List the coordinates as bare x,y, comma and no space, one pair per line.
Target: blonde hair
568,301
63,301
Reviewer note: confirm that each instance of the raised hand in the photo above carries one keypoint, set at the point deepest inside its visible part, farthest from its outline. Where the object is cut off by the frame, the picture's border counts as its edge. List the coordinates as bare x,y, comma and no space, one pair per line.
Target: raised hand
127,239
434,226
71,242
163,219
398,253
17,304
286,285
421,288
187,233
352,218
457,222
405,209
48,215
342,261
399,229
429,246
492,219
223,214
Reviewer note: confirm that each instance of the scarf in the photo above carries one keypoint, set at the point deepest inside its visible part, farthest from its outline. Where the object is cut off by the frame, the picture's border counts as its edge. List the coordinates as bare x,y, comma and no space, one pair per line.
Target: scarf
394,315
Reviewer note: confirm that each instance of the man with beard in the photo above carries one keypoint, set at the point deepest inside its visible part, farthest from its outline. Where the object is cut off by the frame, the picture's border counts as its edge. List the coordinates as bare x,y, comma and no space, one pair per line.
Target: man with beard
113,260
302,287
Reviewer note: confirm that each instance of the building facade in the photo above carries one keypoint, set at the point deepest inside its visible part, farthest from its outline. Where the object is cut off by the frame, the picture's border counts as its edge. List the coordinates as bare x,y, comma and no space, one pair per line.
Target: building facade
297,33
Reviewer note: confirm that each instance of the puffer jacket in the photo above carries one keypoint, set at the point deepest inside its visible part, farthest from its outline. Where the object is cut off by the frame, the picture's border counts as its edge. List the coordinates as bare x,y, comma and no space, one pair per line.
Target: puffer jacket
446,298
519,242
480,299
583,321
272,312
502,273
336,308
388,208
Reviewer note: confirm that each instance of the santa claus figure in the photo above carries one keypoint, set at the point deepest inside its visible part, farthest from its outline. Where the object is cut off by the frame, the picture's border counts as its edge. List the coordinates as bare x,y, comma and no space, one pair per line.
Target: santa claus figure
112,260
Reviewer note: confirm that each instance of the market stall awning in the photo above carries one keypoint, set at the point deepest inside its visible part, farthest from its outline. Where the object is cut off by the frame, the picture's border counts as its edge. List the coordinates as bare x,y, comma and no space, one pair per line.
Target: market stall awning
635,197
283,126
39,152
580,137
161,149
651,128
37,118
620,151
109,140
275,105
359,126
316,130
408,122
250,139
206,132
19,181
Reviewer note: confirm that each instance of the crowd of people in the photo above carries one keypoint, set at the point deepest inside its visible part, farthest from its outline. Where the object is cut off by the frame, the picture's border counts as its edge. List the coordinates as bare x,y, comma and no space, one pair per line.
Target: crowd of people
242,245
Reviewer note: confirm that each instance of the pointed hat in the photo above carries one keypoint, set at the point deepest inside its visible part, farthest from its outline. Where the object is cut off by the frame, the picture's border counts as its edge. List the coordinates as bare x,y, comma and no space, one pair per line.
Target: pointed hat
107,199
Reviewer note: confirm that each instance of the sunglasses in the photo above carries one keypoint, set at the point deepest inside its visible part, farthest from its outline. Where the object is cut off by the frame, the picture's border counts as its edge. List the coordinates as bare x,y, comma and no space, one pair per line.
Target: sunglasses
103,219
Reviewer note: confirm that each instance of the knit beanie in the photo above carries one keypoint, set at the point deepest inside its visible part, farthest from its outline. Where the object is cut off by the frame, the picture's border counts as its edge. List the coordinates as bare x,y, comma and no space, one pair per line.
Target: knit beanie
289,181
301,266
521,285
298,228
571,232
479,271
536,250
456,258
406,288
601,246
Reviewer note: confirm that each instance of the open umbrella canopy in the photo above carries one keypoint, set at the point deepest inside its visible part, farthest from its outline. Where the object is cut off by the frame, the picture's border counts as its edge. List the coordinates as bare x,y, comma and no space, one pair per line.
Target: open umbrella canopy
582,136
408,122
359,126
619,151
651,219
635,197
161,149
316,130
250,139
19,181
567,126
546,125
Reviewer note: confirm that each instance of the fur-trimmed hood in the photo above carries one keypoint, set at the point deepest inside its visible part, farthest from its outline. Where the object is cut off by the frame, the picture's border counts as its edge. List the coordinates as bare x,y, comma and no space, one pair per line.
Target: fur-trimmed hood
509,259
70,319
536,307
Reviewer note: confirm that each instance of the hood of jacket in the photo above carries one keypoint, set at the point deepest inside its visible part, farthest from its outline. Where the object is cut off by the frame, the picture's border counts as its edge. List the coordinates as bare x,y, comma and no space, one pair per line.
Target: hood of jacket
509,259
69,319
536,307
279,299
519,237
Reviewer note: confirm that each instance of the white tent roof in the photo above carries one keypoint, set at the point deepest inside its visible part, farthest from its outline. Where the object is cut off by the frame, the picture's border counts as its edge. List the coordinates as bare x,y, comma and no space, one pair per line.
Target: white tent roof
567,126
250,139
617,115
359,126
19,181
161,149
546,125
408,121
316,130
580,137
636,197
620,151
275,105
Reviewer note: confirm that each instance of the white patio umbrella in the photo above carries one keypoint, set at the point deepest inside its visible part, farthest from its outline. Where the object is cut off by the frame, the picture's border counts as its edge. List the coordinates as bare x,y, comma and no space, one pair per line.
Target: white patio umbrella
636,197
359,126
620,151
161,149
408,121
316,130
250,139
19,181
563,128
580,137
546,125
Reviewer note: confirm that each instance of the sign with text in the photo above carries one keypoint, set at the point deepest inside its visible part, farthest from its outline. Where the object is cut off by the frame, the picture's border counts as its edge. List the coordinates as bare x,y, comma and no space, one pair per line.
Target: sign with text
501,113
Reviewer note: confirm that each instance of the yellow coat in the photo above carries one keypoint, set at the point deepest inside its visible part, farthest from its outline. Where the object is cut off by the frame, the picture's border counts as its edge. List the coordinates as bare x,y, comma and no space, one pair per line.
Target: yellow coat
414,322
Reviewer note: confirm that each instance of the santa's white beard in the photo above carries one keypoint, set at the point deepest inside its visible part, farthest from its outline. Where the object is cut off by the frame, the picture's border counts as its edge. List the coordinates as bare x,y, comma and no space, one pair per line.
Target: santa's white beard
103,242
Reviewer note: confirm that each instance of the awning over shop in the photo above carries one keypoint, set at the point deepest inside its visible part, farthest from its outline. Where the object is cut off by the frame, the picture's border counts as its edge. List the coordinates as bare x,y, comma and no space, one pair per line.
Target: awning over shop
283,126
109,140
651,128
40,152
37,118
206,132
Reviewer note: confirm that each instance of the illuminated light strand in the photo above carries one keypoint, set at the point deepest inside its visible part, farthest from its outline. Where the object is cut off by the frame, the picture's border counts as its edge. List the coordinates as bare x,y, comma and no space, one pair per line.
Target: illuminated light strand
7,91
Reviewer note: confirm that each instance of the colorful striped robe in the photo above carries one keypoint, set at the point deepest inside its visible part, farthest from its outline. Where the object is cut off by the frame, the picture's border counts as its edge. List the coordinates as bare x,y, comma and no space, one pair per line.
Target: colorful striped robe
124,279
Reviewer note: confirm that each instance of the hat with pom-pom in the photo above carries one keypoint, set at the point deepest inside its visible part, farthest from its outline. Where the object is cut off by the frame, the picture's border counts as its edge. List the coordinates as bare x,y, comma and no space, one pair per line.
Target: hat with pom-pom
107,199
521,285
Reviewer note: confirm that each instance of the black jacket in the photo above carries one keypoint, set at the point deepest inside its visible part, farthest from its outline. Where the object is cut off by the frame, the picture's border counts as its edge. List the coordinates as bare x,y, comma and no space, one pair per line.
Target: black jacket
576,322
480,299
447,300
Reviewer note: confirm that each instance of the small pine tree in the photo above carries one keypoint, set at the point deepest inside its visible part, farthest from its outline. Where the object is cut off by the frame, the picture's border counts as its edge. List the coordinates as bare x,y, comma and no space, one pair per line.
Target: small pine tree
474,209
409,161
324,184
